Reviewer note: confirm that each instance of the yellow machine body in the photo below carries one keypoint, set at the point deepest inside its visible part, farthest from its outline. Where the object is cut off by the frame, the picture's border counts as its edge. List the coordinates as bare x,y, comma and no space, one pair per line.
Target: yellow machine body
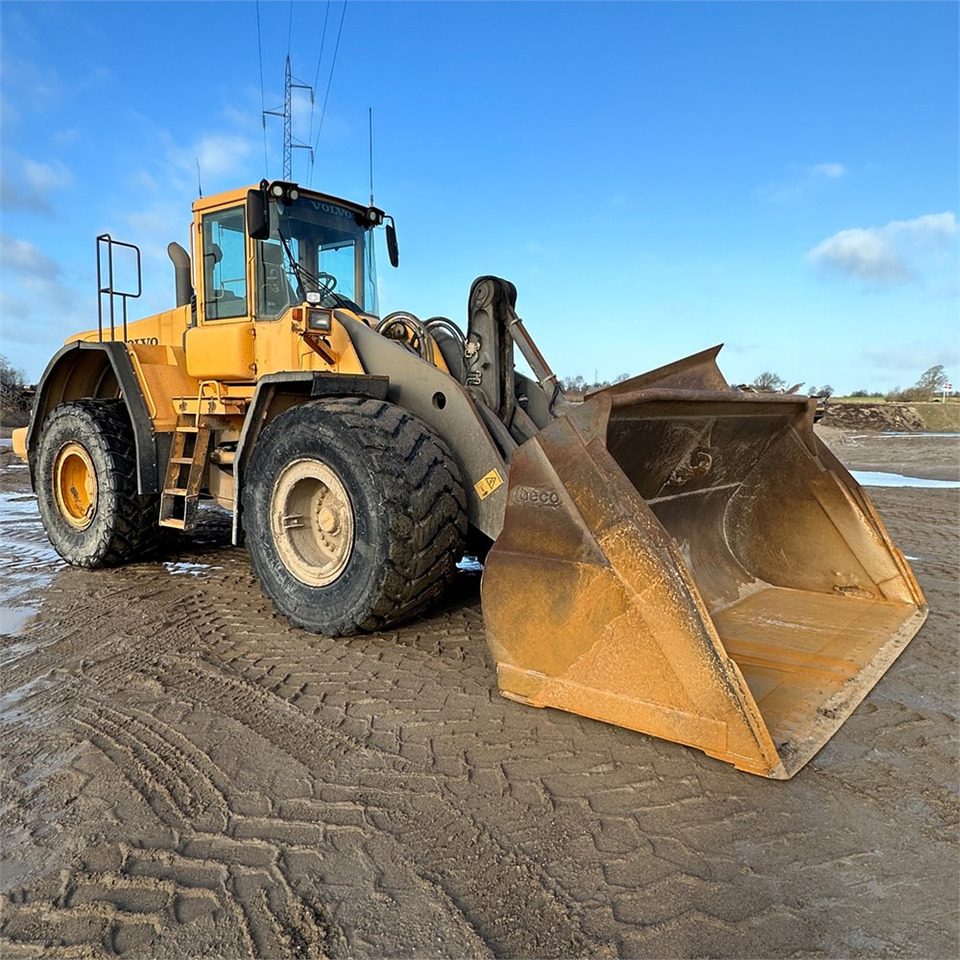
669,555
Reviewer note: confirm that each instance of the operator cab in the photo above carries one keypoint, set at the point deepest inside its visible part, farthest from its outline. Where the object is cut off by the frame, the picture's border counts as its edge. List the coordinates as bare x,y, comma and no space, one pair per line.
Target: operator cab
308,248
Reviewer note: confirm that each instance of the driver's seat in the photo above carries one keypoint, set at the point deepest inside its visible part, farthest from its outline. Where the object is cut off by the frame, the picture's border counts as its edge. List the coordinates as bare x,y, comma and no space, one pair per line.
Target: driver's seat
275,294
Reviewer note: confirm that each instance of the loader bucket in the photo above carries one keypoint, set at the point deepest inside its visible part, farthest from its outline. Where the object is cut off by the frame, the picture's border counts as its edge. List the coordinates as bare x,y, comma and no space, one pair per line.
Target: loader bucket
693,563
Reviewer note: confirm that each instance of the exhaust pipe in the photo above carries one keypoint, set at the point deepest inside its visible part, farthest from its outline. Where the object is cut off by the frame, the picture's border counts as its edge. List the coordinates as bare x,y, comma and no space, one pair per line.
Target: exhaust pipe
181,269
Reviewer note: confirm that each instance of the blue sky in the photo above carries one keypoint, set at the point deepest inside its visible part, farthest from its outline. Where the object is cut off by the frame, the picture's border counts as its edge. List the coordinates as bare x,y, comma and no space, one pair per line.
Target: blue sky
655,178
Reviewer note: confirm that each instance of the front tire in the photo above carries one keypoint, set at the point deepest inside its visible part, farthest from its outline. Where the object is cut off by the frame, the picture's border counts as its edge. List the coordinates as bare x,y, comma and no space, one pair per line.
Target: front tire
354,514
86,482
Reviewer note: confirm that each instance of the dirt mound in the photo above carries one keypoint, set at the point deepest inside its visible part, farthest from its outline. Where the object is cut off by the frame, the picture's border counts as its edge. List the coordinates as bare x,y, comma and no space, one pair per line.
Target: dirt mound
873,416
940,417
11,418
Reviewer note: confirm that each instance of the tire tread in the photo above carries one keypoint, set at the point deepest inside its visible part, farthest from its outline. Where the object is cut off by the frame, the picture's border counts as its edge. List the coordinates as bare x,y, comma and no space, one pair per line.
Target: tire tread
134,530
423,499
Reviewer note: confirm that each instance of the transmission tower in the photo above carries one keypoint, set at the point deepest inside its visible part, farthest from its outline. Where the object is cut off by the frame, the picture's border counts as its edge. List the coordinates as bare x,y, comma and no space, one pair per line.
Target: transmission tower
289,144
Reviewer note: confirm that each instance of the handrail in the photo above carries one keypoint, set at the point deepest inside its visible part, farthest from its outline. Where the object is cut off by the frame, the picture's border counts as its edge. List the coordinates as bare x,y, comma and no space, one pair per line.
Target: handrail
109,289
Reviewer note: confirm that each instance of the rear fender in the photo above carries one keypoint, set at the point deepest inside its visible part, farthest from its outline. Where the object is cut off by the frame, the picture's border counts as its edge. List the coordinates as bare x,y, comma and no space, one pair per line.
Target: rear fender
98,371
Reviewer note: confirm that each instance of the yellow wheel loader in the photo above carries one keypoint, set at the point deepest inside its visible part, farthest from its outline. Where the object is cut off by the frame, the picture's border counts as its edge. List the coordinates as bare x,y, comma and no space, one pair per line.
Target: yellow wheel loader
670,554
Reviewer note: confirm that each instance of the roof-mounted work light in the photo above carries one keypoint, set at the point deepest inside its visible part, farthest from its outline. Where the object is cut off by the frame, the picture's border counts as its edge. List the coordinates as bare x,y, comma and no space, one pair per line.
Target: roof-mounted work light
371,217
281,190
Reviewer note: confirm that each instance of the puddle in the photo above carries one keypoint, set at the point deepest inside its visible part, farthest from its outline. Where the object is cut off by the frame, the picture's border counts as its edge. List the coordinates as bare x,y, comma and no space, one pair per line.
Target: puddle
193,569
470,565
894,435
28,558
921,436
12,619
873,478
15,652
12,706
18,505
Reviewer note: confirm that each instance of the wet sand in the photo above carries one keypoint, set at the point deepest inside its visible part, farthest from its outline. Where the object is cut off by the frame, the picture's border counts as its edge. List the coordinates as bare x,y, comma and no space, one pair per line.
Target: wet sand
184,774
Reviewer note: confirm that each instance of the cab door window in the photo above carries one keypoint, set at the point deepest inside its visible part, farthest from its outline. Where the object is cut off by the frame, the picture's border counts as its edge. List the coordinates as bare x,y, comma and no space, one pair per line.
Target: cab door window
276,278
224,265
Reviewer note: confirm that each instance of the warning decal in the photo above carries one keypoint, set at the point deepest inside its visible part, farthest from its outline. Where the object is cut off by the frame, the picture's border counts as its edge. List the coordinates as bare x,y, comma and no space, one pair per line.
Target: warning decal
486,485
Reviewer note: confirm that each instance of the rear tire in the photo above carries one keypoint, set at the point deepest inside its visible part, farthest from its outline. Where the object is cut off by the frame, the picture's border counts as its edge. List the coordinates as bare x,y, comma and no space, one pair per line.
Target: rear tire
354,513
86,482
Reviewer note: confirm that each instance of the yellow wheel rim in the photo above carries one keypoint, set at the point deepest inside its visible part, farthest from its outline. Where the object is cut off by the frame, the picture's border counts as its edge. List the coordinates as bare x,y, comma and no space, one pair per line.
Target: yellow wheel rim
75,485
311,519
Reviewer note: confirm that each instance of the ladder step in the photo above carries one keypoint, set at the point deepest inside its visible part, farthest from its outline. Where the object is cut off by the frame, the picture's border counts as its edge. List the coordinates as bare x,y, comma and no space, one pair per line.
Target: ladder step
184,475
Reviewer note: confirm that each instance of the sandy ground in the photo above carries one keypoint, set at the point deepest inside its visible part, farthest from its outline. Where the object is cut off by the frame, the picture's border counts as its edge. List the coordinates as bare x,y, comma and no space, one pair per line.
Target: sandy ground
184,774
909,454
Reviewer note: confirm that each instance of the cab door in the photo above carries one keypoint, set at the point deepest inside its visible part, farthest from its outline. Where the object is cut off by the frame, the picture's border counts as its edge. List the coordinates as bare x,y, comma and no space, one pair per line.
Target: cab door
221,346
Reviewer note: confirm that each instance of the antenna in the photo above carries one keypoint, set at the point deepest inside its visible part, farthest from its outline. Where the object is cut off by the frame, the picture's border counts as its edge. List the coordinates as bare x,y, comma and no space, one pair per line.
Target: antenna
199,187
289,145
370,109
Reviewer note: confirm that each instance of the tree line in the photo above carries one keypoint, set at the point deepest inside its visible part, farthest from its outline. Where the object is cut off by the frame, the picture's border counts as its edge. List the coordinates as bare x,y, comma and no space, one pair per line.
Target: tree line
930,383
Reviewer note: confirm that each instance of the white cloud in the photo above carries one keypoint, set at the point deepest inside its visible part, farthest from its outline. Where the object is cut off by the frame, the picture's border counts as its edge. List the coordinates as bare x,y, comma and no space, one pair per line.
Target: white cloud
831,171
31,278
44,177
27,184
863,253
142,180
799,180
66,137
883,256
907,356
13,308
9,114
25,259
217,155
935,227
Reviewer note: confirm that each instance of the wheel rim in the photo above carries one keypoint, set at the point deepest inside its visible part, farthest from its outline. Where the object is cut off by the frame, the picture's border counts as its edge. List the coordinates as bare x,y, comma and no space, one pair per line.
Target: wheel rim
312,522
75,485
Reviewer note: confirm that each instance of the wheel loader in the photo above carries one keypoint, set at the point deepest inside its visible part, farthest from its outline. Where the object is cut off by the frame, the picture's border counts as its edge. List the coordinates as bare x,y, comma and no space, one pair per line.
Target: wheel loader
669,554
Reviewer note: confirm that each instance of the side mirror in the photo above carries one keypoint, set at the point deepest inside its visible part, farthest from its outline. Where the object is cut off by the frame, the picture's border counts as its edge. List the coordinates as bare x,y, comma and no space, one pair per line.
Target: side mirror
258,215
392,249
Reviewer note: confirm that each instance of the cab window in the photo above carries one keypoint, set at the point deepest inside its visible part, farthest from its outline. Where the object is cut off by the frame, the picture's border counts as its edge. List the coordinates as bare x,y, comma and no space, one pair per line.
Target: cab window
338,260
224,265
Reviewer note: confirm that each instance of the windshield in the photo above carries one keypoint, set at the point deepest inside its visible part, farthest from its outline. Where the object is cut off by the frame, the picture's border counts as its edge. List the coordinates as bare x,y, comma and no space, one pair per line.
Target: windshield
315,245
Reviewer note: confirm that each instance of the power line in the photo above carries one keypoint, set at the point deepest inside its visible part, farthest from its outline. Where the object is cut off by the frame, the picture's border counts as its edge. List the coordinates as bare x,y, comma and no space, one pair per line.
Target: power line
323,109
323,38
263,105
316,76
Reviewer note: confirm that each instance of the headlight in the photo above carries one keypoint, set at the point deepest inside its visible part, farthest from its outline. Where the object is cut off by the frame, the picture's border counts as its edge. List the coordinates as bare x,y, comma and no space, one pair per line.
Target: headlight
319,320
